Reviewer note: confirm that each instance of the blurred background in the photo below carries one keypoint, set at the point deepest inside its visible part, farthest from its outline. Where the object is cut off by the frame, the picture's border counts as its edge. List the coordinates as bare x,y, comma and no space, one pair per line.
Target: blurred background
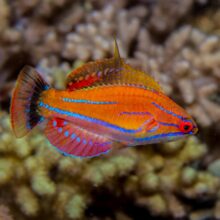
177,42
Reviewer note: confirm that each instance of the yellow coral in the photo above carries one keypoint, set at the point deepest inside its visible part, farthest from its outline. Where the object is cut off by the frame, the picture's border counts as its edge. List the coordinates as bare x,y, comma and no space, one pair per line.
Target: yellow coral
156,203
64,193
188,176
27,201
6,170
42,185
150,182
124,164
75,207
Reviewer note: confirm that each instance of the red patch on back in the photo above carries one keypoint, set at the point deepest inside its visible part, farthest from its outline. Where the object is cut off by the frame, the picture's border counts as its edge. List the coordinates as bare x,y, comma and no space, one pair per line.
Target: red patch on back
82,83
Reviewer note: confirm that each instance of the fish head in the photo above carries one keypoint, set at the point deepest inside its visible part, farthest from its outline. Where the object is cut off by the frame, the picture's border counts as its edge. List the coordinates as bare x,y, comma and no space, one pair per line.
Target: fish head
171,121
181,127
188,126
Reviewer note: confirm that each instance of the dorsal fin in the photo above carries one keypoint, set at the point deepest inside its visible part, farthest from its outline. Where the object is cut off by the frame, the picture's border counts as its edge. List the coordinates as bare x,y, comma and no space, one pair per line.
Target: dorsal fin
117,56
92,74
113,71
133,76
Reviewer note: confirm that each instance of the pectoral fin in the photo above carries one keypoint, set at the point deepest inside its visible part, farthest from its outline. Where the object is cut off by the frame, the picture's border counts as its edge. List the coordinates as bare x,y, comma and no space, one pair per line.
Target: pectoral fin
72,140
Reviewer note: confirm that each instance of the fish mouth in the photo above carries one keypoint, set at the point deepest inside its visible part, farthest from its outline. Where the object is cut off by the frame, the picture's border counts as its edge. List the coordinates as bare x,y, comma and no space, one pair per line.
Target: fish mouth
195,129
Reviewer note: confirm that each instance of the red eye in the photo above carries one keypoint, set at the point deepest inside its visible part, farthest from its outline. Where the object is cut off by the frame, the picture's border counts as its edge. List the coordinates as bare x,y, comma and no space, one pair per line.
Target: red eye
186,126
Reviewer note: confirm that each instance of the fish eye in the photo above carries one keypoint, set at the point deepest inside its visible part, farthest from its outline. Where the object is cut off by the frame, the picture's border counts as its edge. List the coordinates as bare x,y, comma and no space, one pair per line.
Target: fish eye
186,126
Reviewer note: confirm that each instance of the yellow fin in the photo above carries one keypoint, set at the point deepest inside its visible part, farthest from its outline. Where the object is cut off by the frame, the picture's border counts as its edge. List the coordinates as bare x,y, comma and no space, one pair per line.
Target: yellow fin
116,51
93,74
138,77
113,71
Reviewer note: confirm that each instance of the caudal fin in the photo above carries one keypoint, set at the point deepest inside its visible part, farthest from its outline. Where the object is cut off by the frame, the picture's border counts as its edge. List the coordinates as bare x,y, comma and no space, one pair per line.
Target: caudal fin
24,110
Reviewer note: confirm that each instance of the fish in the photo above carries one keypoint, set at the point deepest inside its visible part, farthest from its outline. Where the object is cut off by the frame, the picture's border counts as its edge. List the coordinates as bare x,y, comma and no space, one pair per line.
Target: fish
106,105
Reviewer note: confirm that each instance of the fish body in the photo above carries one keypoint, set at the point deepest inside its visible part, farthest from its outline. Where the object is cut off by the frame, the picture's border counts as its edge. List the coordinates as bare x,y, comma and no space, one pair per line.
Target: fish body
107,104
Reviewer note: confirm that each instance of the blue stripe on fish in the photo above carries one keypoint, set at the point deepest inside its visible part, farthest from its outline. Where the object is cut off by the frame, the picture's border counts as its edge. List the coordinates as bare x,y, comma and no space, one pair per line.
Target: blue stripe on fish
103,123
83,117
145,139
88,101
166,111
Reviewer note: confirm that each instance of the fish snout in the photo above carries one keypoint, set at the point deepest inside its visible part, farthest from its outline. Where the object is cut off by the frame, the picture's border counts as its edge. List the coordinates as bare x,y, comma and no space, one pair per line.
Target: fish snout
195,129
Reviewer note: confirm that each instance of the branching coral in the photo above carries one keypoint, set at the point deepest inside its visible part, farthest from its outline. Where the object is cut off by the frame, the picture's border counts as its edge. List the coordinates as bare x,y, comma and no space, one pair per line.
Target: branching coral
4,13
27,201
159,185
98,30
163,13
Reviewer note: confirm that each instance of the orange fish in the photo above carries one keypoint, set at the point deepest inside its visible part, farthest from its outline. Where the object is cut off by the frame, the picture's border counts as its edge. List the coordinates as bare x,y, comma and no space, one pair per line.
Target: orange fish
106,104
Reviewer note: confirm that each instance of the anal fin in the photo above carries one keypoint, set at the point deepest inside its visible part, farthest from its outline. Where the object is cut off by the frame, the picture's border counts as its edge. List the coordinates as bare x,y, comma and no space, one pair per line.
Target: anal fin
72,140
